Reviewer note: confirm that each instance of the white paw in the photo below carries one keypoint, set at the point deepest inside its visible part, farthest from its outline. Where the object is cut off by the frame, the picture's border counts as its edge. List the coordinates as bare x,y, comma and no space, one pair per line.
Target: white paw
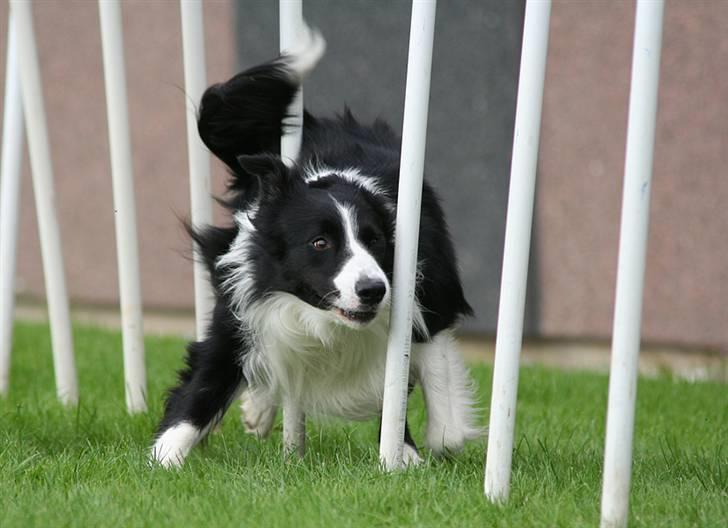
410,456
173,446
442,439
302,58
257,415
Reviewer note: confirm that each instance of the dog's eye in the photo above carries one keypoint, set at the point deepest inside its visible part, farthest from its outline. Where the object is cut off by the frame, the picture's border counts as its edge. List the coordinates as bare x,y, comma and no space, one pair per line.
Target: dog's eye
369,238
320,243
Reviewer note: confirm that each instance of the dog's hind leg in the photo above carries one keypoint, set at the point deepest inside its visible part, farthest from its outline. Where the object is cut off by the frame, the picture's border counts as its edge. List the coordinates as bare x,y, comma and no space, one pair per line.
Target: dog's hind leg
448,392
211,382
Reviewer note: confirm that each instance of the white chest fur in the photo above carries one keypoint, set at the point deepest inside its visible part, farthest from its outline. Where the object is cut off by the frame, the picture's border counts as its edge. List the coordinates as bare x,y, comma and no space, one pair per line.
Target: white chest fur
306,355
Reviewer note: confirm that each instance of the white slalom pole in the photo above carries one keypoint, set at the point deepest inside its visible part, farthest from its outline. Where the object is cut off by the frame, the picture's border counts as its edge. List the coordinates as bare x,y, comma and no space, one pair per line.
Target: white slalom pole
50,237
412,162
514,276
193,49
12,152
631,265
135,378
294,429
290,24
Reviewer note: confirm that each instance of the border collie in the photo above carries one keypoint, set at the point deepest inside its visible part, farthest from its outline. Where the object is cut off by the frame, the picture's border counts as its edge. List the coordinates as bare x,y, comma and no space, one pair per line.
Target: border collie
303,276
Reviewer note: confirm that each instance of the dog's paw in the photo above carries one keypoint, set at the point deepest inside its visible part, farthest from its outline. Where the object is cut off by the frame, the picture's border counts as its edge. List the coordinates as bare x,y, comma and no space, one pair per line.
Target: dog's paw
410,456
257,415
440,441
302,58
173,446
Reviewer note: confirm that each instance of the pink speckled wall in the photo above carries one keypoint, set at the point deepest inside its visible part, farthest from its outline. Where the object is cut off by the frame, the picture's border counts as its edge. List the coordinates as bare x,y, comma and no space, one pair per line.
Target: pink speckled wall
581,169
71,65
581,161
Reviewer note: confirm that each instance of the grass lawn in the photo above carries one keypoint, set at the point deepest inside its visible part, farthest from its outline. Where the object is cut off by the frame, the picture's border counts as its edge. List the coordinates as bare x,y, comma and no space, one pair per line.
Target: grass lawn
86,466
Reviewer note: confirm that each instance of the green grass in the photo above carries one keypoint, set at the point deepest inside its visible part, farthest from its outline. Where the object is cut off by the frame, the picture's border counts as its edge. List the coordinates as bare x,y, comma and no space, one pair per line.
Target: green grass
86,466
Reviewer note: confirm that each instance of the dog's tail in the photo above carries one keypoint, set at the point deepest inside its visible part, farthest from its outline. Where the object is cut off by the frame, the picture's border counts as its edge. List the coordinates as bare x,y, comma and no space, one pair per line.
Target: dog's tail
247,114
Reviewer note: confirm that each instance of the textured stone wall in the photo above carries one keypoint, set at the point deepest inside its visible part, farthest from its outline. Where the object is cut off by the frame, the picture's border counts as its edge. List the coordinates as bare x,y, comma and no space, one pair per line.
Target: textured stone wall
581,170
69,47
472,103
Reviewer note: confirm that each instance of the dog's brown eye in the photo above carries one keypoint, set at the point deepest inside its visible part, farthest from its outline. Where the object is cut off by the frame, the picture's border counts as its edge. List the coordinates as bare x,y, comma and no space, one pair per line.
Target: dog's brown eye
320,244
370,239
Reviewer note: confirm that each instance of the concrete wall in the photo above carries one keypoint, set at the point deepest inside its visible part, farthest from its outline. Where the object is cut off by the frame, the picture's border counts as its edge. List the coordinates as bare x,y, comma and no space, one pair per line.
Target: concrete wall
69,46
470,120
581,160
581,168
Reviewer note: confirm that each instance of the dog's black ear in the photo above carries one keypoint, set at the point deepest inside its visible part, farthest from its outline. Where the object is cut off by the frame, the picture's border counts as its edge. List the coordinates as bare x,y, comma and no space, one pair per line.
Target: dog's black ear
261,174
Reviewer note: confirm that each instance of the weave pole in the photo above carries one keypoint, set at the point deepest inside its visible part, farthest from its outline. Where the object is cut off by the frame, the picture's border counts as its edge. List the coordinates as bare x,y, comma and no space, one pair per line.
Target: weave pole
290,25
412,162
12,153
135,379
509,336
50,236
193,51
294,428
631,264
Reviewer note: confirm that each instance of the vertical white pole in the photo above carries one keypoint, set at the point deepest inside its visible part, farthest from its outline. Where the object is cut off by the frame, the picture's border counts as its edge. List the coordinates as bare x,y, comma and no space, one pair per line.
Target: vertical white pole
412,161
514,276
631,265
12,150
294,429
50,237
135,380
290,24
193,48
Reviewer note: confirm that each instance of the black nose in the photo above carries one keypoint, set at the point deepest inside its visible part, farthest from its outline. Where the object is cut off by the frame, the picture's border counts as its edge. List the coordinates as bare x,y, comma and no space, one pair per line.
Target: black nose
370,291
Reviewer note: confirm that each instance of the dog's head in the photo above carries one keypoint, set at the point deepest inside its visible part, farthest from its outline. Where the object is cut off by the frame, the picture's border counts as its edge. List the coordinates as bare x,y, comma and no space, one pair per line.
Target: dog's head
324,236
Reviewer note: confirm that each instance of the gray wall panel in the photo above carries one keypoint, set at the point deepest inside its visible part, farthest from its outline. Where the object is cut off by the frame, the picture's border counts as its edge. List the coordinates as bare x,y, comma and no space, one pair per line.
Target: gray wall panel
472,105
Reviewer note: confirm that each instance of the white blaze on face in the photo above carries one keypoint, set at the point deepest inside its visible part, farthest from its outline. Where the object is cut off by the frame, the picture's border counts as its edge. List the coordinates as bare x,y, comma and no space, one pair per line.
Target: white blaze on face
359,266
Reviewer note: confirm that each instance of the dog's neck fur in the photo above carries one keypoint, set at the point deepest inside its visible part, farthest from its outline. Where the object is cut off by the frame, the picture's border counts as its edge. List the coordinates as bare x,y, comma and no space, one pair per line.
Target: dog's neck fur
301,352
305,354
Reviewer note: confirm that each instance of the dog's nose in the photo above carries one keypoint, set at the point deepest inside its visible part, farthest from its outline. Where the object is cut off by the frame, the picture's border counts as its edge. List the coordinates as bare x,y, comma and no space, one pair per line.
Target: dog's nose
370,291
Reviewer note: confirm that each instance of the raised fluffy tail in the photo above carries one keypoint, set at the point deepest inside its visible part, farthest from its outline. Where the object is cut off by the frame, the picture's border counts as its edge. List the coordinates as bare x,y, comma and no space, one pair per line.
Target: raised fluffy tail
247,114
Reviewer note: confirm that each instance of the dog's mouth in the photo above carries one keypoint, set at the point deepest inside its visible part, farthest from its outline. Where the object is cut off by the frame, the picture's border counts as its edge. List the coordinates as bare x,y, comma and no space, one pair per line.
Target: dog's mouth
356,316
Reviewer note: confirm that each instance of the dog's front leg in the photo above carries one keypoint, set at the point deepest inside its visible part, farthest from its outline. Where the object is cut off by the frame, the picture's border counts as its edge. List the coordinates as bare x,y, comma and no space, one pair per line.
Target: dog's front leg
448,392
211,382
258,412
410,455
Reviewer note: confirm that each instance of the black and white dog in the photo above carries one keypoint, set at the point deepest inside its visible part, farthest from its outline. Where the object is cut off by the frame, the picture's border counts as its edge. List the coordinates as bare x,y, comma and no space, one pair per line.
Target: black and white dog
303,276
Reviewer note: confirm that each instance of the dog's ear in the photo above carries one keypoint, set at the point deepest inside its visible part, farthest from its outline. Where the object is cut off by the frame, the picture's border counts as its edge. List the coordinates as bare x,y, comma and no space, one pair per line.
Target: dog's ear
263,174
